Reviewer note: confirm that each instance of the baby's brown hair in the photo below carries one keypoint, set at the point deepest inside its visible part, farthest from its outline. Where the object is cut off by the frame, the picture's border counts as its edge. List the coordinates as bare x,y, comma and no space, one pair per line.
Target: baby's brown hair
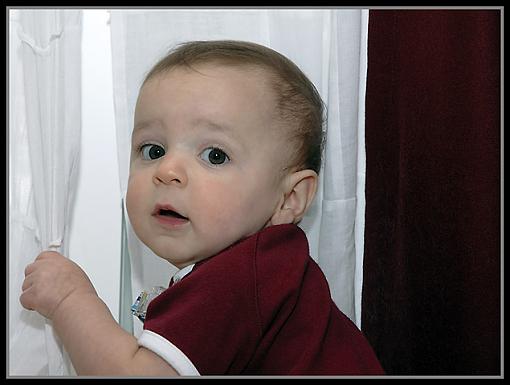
298,101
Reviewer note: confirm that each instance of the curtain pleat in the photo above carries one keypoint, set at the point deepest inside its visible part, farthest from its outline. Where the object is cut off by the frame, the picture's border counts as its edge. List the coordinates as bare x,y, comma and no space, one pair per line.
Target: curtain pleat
45,124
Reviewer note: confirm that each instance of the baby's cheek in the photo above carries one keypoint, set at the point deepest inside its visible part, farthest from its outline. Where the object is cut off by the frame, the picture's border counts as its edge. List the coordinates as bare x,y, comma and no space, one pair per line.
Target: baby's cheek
222,217
238,219
135,192
233,210
135,197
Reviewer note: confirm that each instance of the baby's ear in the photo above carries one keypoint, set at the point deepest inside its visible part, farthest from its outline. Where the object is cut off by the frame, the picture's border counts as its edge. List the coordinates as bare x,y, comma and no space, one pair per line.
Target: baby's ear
299,190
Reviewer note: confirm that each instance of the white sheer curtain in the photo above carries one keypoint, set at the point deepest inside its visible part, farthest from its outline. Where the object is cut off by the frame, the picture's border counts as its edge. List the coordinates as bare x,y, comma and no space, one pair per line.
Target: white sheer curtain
44,142
330,47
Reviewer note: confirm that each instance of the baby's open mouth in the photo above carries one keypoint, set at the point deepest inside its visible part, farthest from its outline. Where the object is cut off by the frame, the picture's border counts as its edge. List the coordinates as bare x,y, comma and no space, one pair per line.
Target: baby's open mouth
170,213
168,216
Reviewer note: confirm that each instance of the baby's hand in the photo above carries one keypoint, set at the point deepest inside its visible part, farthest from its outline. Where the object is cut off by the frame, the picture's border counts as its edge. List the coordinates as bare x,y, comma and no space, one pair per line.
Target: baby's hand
51,279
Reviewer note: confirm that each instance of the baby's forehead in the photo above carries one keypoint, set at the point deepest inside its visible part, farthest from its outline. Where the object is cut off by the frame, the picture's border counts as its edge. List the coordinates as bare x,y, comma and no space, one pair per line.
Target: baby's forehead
264,75
221,84
250,82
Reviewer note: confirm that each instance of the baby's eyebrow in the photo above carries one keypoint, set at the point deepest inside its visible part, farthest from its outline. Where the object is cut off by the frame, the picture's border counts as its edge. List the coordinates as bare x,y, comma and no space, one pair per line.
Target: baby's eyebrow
222,128
144,124
214,126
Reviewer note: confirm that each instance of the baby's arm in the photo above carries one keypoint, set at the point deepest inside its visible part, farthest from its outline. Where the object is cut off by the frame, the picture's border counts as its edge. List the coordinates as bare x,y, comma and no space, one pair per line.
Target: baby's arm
58,289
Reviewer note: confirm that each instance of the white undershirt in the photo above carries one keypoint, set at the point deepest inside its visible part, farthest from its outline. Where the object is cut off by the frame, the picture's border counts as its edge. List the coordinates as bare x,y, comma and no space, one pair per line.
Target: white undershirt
182,273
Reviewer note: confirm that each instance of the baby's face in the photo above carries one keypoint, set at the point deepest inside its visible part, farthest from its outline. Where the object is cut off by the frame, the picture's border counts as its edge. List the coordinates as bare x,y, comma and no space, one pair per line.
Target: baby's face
207,146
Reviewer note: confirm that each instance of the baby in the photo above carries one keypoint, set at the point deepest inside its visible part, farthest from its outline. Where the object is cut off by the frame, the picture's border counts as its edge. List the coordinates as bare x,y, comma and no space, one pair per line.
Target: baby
226,151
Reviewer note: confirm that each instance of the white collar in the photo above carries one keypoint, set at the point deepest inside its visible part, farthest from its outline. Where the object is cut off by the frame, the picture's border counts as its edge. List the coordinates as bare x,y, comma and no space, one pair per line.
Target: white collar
182,273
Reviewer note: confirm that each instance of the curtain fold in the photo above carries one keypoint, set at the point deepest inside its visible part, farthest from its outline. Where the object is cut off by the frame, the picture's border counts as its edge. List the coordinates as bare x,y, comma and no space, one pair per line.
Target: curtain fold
432,275
44,126
327,45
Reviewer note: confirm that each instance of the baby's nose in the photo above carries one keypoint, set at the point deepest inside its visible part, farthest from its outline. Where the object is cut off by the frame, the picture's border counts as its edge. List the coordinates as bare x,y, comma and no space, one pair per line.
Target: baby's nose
171,170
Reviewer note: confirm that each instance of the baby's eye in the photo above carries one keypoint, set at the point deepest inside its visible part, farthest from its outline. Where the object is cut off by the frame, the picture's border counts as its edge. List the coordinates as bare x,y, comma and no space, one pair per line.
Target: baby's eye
151,151
214,156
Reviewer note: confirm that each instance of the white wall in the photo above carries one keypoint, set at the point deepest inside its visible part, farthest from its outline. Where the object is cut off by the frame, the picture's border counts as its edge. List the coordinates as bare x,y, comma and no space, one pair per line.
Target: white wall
95,238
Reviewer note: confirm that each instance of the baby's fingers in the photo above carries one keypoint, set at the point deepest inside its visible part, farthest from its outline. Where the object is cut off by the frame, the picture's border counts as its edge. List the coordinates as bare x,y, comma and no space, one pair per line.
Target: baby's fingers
44,256
48,255
27,299
26,284
29,269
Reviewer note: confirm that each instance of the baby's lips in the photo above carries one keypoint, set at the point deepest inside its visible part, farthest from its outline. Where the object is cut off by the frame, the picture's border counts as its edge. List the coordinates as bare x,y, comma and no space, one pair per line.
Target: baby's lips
167,209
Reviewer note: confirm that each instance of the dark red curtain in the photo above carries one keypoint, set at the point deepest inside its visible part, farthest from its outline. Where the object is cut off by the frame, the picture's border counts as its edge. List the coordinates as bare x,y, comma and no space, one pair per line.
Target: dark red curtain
432,287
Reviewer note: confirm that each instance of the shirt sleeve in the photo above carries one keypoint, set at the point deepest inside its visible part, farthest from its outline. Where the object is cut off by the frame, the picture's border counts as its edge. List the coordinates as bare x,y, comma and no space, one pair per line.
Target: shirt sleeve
169,352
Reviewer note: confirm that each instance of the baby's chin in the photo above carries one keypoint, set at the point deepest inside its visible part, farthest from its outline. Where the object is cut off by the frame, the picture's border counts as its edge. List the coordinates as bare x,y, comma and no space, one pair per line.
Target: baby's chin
181,259
178,261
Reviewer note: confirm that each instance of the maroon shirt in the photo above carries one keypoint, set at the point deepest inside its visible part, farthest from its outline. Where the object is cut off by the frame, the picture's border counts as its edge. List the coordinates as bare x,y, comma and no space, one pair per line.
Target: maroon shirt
261,307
